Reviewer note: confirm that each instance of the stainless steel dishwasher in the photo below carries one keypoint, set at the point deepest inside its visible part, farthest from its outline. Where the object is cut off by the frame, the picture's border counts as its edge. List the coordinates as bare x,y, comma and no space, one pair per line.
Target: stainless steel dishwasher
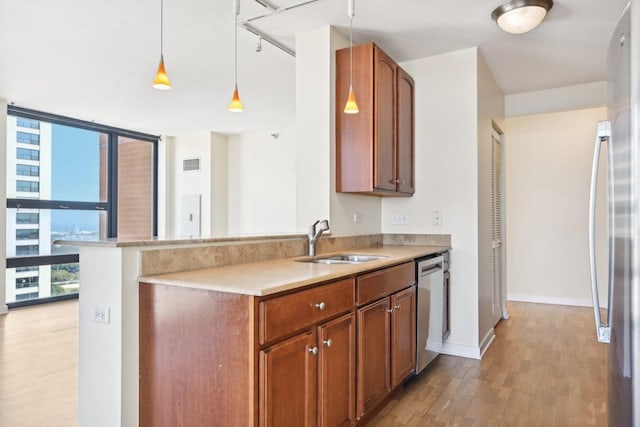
432,314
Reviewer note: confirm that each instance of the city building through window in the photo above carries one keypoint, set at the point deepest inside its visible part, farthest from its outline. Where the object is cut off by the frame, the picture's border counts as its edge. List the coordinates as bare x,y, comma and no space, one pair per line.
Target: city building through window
70,180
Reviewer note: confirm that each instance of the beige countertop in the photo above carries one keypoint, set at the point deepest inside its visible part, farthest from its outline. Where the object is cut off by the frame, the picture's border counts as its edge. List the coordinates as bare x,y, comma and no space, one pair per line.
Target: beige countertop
283,274
166,241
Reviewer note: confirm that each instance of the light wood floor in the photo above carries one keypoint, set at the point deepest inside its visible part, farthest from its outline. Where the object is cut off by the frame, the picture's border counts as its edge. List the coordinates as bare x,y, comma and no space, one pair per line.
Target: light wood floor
38,366
544,368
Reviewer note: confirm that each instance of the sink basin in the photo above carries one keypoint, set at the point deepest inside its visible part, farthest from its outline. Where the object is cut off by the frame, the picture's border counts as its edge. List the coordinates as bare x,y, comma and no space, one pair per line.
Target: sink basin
343,259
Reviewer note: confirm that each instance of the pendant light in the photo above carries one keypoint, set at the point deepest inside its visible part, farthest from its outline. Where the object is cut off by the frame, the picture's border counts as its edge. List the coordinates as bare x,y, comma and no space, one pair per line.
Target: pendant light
521,16
236,104
351,107
161,80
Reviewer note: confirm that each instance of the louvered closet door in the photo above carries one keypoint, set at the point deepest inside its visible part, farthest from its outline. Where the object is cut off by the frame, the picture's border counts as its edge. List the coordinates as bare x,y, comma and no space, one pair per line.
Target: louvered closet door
497,226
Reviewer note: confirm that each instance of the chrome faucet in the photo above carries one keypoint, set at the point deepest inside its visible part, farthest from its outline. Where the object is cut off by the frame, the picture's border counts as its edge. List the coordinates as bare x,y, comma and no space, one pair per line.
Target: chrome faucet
315,231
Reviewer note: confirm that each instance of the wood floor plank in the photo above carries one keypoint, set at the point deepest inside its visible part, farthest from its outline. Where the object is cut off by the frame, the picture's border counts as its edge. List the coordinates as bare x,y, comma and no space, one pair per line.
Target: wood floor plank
38,366
544,368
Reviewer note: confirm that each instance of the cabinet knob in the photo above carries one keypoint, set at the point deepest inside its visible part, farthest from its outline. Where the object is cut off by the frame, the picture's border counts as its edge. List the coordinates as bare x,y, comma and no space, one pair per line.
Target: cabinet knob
321,306
313,350
328,342
389,310
397,307
397,181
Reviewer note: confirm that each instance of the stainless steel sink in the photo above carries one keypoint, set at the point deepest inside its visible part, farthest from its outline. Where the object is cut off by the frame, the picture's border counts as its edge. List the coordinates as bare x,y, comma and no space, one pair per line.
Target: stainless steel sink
343,259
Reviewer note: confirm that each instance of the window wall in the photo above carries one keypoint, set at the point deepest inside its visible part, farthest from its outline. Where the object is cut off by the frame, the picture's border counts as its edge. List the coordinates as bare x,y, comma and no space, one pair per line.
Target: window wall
70,180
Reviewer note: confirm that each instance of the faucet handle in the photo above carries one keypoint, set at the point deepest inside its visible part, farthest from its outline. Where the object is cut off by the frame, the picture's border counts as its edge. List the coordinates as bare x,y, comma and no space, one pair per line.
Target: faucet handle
324,225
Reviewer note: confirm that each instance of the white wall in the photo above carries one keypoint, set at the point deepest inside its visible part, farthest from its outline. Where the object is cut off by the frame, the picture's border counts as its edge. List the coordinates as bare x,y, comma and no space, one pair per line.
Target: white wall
262,182
566,98
192,182
3,200
446,158
490,109
219,185
210,184
548,170
313,118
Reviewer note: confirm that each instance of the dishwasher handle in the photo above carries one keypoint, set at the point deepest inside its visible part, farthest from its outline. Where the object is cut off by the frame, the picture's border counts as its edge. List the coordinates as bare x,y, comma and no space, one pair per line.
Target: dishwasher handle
425,271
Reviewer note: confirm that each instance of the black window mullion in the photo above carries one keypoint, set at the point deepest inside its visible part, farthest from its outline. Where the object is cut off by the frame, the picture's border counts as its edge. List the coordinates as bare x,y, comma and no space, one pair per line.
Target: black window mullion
55,204
155,189
37,260
112,186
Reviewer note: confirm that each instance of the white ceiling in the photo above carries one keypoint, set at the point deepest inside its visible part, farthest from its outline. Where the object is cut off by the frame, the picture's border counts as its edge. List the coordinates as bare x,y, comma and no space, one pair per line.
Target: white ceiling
95,59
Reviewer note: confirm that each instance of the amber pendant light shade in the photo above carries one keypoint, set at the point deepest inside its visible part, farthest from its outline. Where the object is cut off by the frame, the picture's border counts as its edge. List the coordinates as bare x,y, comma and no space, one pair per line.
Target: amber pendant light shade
351,107
236,104
161,80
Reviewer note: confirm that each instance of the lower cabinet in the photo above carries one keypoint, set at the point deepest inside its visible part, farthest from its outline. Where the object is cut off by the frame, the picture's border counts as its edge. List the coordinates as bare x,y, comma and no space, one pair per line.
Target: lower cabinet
288,382
373,354
323,356
337,372
386,346
290,371
403,335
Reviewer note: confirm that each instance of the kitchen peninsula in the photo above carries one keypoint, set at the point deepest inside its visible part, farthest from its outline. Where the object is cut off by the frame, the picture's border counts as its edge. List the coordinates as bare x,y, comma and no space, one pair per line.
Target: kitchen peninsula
109,352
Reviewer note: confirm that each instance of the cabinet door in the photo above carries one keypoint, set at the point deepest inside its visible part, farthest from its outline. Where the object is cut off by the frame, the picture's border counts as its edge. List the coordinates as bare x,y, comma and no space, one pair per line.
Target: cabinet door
336,372
373,355
403,334
288,383
384,118
405,144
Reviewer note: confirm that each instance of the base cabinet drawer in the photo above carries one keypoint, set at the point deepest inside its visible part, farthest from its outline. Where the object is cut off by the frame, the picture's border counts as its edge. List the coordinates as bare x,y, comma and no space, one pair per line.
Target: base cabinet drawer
286,314
381,283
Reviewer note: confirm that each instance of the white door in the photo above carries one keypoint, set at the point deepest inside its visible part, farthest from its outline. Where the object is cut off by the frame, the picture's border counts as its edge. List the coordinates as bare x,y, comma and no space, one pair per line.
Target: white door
497,229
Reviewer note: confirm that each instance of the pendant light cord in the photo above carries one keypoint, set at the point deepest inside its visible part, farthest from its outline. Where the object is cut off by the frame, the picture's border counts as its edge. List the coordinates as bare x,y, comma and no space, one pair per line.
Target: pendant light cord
350,52
161,28
235,59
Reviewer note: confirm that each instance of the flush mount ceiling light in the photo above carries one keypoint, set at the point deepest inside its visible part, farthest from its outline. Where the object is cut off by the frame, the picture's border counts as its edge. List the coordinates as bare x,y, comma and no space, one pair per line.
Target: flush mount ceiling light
161,80
236,104
520,16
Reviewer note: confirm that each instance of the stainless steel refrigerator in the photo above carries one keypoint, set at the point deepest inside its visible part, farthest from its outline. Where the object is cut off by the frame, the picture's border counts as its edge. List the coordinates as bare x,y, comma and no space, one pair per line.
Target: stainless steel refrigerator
621,134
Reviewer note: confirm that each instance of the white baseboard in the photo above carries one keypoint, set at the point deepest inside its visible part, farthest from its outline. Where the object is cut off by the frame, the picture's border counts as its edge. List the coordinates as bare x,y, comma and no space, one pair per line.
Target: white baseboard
461,351
4,309
578,302
486,341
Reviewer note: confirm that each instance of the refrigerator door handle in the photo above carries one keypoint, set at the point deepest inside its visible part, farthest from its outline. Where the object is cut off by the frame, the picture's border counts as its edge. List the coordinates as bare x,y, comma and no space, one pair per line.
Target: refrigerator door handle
603,134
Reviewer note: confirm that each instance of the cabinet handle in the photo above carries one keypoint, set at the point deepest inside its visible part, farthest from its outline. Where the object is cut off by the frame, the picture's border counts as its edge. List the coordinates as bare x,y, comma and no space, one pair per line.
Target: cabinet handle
328,342
321,306
397,307
389,310
313,350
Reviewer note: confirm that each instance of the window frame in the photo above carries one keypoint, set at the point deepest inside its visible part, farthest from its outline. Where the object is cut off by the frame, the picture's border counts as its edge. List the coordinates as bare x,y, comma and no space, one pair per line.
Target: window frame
110,206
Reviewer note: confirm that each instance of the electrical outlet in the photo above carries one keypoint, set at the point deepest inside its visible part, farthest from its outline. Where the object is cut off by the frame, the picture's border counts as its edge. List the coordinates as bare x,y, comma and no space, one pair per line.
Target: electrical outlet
101,314
400,218
437,217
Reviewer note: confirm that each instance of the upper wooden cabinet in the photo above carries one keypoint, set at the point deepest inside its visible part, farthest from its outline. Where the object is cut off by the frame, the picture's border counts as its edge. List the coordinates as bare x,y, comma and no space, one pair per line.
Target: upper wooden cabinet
374,148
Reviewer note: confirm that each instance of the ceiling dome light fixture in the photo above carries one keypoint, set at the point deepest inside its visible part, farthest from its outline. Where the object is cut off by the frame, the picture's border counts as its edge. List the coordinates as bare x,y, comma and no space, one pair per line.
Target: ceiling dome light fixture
161,80
236,104
521,16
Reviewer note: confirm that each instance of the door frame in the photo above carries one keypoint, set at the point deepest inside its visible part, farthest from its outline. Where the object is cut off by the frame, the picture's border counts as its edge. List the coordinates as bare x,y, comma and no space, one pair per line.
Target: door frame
503,246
